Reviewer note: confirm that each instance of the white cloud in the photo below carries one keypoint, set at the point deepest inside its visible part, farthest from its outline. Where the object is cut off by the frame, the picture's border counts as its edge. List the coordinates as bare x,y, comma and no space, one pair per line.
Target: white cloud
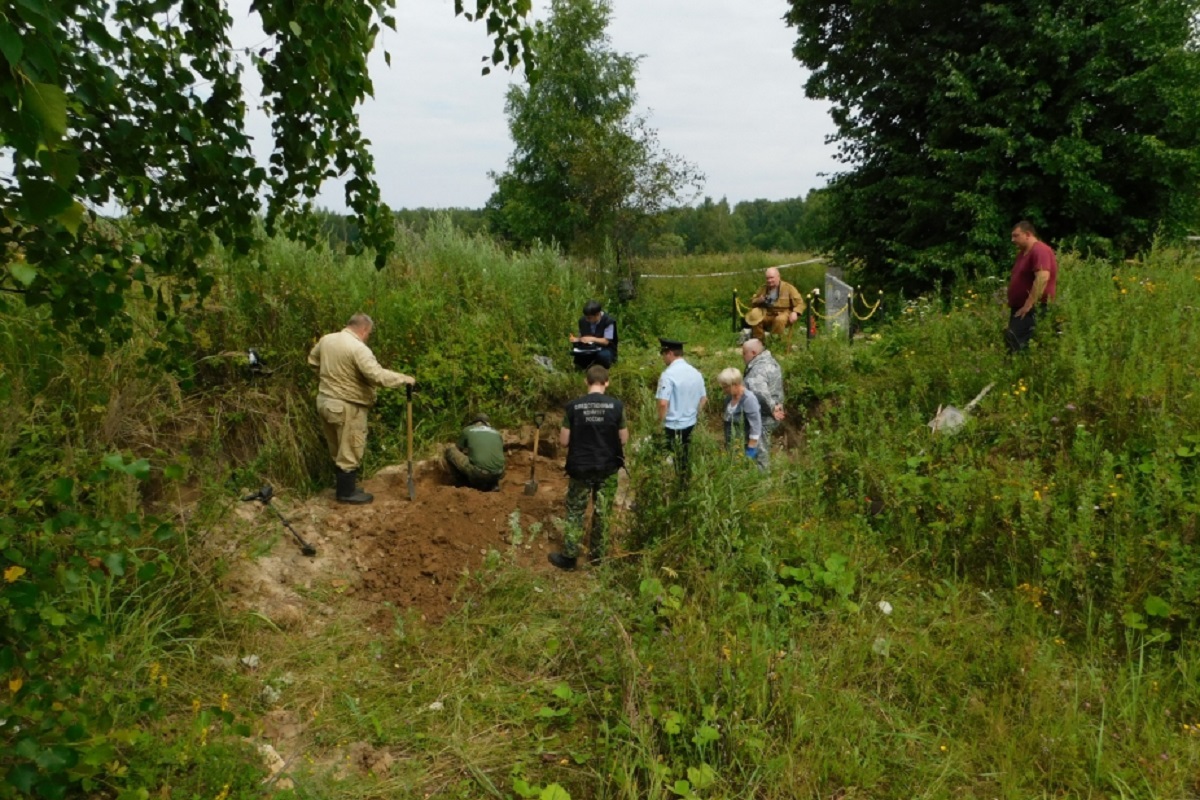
717,77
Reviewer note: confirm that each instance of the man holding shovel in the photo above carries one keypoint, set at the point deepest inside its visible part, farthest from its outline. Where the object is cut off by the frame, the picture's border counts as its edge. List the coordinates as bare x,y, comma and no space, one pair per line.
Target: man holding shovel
349,374
594,433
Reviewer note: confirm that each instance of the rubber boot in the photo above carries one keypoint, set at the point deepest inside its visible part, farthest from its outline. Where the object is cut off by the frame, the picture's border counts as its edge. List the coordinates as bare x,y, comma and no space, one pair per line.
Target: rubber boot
348,492
561,561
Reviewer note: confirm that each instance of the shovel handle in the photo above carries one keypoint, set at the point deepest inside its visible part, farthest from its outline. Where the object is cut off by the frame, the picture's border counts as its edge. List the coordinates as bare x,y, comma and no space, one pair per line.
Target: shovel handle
537,433
408,392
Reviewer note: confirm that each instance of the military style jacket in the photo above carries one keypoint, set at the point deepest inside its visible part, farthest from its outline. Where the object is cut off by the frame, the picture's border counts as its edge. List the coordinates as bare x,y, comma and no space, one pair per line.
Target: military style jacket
764,377
348,369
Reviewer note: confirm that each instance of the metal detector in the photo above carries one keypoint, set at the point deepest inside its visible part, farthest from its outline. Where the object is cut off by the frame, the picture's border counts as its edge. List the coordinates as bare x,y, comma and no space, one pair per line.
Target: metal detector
264,496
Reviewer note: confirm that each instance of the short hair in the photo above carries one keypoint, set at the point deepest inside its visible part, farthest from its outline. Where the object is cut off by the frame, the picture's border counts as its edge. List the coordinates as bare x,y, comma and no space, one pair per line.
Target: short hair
481,417
360,321
1025,226
753,345
729,377
596,375
592,307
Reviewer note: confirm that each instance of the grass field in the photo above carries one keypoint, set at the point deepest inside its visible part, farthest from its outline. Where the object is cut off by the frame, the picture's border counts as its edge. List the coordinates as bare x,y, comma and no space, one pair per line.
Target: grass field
1004,612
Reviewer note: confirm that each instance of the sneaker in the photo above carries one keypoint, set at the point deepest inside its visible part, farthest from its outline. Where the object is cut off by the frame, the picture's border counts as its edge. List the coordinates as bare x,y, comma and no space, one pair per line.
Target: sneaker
561,561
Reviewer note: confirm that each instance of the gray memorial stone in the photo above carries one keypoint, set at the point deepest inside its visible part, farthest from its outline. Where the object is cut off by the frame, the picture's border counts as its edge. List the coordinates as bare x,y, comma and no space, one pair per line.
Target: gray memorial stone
838,294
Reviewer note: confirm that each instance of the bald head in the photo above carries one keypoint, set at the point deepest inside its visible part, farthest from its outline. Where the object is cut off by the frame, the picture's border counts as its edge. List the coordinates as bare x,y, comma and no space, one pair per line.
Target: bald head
772,276
361,325
750,349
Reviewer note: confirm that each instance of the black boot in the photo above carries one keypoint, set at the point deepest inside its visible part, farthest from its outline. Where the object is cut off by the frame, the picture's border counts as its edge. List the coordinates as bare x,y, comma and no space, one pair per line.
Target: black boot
348,492
561,561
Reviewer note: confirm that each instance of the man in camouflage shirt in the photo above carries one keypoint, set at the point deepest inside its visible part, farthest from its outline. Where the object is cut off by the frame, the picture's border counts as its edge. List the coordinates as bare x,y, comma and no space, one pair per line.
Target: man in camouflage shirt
764,377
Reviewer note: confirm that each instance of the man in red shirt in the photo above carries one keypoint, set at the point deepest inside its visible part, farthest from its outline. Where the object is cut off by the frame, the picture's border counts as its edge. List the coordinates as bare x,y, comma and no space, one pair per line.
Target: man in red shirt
1034,280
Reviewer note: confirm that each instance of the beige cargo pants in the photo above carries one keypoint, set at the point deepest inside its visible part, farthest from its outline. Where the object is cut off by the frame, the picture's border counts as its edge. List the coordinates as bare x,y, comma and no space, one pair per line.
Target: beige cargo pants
345,426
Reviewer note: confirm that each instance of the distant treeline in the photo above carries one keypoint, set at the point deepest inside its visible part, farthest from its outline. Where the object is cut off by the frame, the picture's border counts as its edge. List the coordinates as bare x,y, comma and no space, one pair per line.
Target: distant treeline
792,225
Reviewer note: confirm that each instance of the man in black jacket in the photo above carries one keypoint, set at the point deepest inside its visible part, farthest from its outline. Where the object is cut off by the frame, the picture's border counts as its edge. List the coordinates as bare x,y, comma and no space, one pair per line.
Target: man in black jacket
597,339
594,433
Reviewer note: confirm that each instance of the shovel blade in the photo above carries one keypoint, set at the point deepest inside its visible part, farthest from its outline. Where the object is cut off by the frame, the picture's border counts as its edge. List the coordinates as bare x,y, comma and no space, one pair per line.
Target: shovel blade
531,487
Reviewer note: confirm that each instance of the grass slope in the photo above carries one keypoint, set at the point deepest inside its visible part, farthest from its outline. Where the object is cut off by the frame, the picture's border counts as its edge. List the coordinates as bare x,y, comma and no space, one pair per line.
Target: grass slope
1038,568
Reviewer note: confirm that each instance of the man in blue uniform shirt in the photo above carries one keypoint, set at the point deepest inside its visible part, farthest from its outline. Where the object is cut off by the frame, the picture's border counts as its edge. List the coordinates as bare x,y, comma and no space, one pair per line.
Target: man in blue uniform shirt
681,395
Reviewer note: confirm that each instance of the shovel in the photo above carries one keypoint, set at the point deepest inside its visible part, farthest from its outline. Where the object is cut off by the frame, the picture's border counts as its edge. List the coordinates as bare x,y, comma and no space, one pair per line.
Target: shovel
412,490
531,486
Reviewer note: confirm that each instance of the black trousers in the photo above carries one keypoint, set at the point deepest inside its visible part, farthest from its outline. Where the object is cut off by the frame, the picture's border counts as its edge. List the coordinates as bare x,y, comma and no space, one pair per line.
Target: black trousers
678,442
1019,330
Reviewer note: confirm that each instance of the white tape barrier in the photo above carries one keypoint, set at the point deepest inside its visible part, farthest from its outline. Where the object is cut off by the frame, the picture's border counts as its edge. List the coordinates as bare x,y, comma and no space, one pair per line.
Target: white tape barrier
738,272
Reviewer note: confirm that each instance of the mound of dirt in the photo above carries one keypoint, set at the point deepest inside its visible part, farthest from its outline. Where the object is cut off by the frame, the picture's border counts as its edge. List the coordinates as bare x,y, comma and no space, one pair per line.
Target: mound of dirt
411,554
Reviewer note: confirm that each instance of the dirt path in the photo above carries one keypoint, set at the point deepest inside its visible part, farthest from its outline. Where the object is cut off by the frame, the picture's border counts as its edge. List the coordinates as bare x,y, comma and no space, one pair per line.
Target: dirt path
409,554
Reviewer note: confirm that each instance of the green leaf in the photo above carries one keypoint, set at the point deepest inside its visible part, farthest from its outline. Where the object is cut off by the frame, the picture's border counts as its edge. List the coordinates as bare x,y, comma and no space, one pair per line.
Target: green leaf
296,30
23,273
173,472
72,218
1134,620
49,104
554,792
99,754
115,563
10,43
62,166
61,490
1157,607
705,734
22,777
54,759
46,200
139,469
522,787
701,777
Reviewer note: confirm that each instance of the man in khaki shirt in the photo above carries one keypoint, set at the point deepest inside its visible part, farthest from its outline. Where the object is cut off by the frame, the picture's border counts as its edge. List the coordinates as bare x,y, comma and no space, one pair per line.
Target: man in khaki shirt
781,304
349,374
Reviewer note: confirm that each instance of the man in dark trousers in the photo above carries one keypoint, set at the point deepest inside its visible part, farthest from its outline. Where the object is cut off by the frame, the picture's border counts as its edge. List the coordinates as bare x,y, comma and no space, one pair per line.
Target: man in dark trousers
1034,281
594,433
597,339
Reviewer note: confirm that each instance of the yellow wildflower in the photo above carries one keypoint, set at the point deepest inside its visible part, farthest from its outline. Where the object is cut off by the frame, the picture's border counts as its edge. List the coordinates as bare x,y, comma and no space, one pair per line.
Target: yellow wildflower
14,685
13,572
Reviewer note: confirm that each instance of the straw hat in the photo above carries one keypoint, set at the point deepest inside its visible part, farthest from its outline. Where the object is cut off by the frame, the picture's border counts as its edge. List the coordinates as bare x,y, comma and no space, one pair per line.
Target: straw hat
754,316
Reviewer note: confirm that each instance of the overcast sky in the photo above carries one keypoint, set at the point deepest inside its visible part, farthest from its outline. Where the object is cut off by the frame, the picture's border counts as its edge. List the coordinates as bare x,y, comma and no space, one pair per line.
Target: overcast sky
717,81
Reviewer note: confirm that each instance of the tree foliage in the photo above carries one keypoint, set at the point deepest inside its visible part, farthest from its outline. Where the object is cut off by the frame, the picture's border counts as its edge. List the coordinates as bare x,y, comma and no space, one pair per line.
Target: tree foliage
139,106
785,226
958,119
585,169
